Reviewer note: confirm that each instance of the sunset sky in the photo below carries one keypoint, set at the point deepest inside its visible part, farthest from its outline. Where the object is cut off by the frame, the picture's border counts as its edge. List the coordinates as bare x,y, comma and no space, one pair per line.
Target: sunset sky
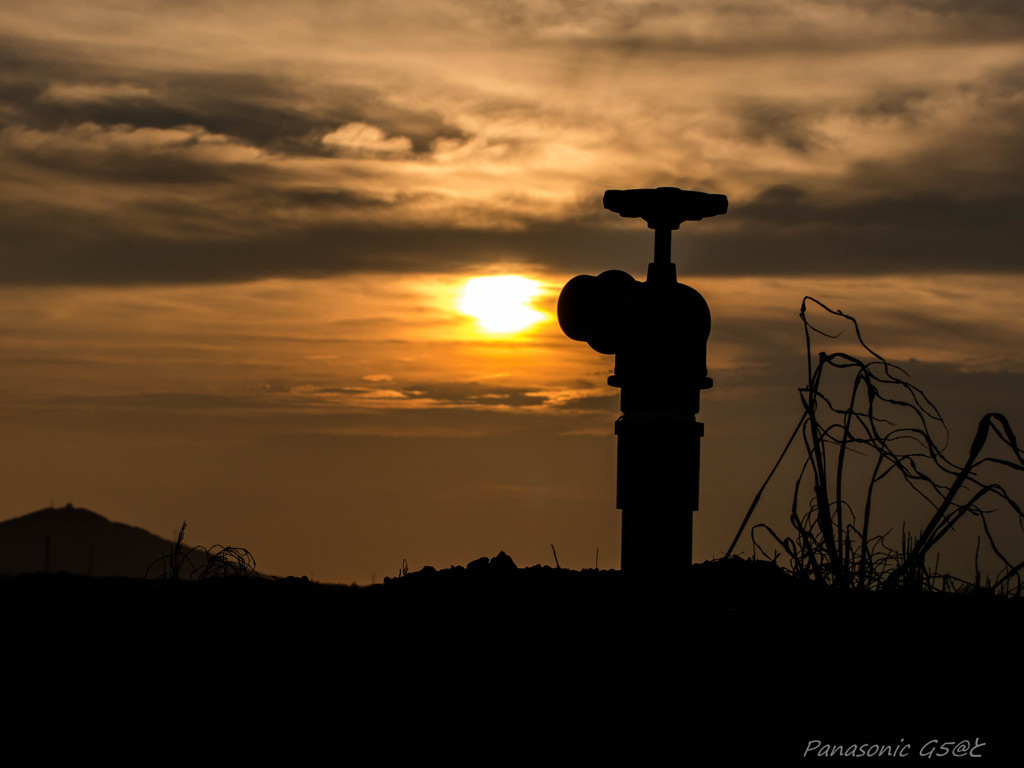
235,237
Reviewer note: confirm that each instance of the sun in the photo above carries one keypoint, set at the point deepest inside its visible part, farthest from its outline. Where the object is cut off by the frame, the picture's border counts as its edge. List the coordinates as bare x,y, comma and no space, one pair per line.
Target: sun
501,303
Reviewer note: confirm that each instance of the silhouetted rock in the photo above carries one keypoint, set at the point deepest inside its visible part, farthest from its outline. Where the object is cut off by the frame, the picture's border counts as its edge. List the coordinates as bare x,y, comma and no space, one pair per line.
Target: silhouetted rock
502,563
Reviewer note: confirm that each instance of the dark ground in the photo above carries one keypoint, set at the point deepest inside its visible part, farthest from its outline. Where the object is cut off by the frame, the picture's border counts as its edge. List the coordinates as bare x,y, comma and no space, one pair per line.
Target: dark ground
490,660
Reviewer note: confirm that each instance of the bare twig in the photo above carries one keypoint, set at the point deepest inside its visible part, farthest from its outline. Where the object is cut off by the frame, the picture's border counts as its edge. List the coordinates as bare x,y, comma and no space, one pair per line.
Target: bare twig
887,417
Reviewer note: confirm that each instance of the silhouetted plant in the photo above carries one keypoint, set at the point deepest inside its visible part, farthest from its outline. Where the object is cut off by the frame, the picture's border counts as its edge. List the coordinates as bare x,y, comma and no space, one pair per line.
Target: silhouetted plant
226,561
901,432
173,563
216,561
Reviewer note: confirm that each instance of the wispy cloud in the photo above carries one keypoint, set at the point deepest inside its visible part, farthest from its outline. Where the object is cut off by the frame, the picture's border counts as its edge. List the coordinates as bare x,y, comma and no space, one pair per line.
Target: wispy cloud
220,129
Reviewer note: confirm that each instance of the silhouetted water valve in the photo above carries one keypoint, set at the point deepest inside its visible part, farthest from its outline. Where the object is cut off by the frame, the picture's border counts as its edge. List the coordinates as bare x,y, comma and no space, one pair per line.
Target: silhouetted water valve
658,331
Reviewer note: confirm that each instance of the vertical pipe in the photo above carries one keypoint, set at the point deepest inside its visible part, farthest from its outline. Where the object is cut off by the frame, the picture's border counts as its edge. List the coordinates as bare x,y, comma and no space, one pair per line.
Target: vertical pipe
658,492
662,245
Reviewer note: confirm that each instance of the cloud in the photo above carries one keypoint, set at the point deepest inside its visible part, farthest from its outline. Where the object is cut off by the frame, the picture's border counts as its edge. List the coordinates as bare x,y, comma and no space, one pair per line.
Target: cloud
163,401
452,136
366,140
47,84
94,93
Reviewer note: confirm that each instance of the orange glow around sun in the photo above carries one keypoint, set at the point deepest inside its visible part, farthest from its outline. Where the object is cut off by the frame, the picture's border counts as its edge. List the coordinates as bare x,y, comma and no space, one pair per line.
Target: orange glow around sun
501,303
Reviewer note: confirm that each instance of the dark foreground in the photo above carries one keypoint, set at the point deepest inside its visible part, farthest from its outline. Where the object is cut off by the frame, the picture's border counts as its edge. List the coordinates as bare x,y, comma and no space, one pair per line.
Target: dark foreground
493,661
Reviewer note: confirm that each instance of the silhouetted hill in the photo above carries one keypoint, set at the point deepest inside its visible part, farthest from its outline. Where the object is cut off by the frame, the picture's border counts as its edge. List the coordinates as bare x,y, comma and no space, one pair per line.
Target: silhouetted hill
77,541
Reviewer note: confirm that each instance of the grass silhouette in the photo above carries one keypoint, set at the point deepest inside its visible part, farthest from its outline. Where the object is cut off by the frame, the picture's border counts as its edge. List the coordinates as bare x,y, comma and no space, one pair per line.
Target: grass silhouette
213,562
873,412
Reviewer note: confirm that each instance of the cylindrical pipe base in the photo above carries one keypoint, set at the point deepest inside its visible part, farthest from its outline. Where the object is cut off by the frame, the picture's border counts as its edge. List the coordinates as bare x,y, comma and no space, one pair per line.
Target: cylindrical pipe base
658,490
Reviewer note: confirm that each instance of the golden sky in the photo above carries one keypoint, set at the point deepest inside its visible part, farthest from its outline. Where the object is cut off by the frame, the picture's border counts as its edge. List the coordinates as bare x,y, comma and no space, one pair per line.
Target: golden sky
235,236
